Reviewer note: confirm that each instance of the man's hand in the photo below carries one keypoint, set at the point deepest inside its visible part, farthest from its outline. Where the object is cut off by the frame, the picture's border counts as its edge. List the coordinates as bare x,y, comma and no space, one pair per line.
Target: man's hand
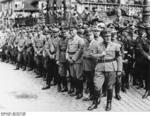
57,62
119,73
70,61
103,53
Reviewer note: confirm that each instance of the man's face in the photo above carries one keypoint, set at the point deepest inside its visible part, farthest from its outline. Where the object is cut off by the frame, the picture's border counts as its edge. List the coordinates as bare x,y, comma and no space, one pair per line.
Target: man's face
96,33
73,32
107,38
64,34
89,36
140,31
68,34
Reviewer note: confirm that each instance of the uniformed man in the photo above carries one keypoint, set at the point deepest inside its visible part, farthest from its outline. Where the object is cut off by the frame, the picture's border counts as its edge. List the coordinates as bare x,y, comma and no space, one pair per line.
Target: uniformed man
127,60
109,63
7,45
89,63
29,52
74,57
144,48
38,48
15,50
47,61
138,75
115,39
21,47
13,55
53,49
96,32
61,61
25,60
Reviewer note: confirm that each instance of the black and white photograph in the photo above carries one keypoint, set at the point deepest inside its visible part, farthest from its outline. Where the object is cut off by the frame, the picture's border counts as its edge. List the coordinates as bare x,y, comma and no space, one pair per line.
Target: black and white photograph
74,56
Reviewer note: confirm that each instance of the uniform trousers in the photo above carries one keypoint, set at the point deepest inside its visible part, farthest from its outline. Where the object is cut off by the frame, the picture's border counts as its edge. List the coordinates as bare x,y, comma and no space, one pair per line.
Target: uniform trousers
76,72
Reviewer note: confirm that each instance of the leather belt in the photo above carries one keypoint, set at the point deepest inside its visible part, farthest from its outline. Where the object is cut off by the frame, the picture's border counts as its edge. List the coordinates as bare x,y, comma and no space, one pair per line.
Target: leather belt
52,53
63,50
106,61
71,53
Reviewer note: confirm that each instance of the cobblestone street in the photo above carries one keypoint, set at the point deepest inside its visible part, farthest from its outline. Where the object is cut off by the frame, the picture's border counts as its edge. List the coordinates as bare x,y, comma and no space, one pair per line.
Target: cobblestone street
21,91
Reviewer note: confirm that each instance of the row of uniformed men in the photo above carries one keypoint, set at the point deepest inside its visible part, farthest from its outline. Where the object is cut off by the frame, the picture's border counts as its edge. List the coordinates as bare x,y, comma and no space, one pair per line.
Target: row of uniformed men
93,58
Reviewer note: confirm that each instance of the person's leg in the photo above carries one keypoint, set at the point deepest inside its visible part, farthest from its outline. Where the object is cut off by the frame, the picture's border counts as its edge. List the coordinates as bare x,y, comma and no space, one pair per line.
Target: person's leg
18,60
79,80
110,80
98,83
146,74
47,73
90,83
118,87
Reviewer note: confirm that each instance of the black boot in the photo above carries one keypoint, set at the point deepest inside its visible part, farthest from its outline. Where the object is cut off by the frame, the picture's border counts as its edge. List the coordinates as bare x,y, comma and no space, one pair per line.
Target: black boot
117,91
80,90
47,87
93,106
17,68
108,106
59,88
71,87
75,87
147,93
24,68
64,81
59,81
123,89
109,99
96,101
71,91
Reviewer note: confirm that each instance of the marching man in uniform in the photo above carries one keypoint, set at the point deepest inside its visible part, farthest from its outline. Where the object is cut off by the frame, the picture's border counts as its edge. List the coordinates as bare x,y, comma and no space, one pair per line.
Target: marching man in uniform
109,66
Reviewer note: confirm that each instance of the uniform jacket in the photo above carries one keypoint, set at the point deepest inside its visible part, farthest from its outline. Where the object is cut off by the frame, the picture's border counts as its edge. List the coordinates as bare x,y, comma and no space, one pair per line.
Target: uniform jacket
88,62
144,49
38,45
61,50
75,49
53,46
21,45
112,52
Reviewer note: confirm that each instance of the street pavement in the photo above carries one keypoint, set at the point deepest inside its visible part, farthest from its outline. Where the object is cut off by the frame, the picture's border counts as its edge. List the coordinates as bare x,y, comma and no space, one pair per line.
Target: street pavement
20,91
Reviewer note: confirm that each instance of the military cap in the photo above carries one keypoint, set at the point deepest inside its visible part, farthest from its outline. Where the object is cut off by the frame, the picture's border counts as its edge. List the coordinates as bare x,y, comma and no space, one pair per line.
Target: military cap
110,25
98,27
101,25
55,30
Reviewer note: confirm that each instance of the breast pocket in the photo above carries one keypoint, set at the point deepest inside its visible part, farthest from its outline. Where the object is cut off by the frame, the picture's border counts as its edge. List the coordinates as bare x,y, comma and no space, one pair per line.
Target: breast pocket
110,53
